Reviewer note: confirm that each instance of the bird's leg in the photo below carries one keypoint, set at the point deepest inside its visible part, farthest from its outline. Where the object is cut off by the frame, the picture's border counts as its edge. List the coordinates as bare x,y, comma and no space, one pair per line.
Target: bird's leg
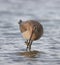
27,48
30,45
27,43
30,41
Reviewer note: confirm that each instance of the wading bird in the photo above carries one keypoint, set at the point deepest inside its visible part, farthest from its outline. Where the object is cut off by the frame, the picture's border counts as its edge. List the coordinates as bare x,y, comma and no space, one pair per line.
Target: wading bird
31,30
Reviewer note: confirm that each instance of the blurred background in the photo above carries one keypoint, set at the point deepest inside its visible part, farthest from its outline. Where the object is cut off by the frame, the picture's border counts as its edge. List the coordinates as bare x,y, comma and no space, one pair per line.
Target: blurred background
47,12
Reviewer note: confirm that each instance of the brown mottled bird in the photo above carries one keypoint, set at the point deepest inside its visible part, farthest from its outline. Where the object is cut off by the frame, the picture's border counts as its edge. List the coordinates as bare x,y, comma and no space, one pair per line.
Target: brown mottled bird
31,30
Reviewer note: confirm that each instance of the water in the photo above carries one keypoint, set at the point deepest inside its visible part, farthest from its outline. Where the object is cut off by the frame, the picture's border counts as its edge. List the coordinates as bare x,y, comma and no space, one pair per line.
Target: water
47,12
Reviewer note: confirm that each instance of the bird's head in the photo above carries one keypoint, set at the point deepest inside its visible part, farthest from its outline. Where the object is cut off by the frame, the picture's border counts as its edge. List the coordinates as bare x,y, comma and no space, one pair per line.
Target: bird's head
20,21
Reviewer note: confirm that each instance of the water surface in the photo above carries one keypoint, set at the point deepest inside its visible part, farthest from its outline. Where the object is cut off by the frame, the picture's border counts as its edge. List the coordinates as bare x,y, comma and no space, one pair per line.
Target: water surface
47,12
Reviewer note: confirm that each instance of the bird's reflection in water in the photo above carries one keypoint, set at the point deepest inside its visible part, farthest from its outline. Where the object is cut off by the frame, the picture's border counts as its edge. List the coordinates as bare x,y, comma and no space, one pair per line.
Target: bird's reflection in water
30,54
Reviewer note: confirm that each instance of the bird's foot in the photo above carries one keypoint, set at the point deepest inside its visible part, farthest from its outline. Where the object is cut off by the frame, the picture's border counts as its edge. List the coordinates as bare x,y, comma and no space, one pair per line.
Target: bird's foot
27,43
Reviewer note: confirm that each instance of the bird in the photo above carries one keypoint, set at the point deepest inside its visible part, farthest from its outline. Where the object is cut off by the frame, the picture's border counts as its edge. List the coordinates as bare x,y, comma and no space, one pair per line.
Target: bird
31,30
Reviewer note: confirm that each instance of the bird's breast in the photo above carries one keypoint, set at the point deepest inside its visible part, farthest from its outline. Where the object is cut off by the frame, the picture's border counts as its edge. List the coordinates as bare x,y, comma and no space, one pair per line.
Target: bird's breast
26,34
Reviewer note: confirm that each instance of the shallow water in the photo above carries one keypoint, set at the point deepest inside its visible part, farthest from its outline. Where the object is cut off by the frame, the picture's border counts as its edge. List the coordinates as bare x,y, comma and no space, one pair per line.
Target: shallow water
47,12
